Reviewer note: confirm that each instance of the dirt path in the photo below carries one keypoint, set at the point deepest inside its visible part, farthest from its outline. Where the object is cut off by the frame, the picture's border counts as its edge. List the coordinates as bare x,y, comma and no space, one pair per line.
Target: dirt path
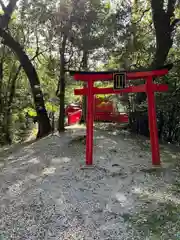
45,195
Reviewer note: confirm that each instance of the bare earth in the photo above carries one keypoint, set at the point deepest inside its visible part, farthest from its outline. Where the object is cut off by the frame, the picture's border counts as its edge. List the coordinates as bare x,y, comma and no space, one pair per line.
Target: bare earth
45,195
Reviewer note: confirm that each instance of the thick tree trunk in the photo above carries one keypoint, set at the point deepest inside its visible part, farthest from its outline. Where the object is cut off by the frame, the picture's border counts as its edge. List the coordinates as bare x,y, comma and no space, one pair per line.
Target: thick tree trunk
164,27
164,38
61,122
43,120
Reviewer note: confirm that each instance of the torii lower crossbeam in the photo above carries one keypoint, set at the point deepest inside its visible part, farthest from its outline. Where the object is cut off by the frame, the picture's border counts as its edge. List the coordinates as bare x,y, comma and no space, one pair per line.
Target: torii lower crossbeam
149,88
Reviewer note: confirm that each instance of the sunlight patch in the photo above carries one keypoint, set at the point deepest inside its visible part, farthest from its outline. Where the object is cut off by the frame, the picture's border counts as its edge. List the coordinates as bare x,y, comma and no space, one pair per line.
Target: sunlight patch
65,159
100,137
100,146
121,197
31,177
173,156
115,133
49,171
59,201
34,160
61,160
108,140
15,189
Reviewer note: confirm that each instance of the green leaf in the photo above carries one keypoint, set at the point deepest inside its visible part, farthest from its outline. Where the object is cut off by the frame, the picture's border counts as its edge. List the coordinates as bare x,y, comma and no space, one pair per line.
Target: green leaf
51,107
31,112
107,5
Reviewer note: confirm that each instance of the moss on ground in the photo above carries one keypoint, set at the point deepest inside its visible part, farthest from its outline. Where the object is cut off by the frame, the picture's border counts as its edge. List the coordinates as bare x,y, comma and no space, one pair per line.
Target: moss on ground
161,223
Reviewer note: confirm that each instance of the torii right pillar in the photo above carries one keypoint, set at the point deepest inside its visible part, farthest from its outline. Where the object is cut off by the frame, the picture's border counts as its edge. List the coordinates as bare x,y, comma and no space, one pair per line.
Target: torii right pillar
153,130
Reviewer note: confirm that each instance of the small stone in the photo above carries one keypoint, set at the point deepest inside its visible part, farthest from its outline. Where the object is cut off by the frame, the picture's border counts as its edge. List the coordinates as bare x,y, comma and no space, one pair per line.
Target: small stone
115,165
113,150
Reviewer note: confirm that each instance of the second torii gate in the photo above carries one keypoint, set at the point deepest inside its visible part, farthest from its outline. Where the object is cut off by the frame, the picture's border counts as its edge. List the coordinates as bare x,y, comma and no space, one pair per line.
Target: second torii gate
120,86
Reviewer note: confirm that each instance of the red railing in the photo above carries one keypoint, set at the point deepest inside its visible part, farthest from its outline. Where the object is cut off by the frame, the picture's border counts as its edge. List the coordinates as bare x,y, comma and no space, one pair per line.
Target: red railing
103,111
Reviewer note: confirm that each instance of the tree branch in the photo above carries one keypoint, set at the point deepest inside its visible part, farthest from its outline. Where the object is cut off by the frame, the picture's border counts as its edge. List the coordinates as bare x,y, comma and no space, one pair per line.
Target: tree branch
2,5
32,59
145,11
71,55
8,11
174,23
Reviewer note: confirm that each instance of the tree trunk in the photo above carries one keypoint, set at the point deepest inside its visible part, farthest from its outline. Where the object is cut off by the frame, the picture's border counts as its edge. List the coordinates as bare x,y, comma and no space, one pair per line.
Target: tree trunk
43,120
9,107
161,125
6,138
164,39
1,83
171,123
84,97
61,122
2,139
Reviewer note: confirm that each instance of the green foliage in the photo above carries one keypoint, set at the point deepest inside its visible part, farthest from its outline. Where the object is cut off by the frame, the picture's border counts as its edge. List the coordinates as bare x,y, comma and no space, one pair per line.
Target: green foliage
107,5
113,38
30,111
51,107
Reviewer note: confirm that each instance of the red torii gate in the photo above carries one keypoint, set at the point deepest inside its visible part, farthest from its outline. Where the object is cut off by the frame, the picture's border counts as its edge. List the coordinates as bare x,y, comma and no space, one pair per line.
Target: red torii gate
120,80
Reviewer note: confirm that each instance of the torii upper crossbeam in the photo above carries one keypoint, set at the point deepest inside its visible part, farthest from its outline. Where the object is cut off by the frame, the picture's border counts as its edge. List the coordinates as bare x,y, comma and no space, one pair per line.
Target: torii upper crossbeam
120,86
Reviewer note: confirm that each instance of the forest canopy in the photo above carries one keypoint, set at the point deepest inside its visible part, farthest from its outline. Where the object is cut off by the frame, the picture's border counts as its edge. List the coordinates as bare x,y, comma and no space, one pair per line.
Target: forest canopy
42,40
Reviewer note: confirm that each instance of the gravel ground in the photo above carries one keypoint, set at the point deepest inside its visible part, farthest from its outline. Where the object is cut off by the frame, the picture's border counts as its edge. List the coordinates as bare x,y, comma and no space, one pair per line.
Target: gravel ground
45,195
